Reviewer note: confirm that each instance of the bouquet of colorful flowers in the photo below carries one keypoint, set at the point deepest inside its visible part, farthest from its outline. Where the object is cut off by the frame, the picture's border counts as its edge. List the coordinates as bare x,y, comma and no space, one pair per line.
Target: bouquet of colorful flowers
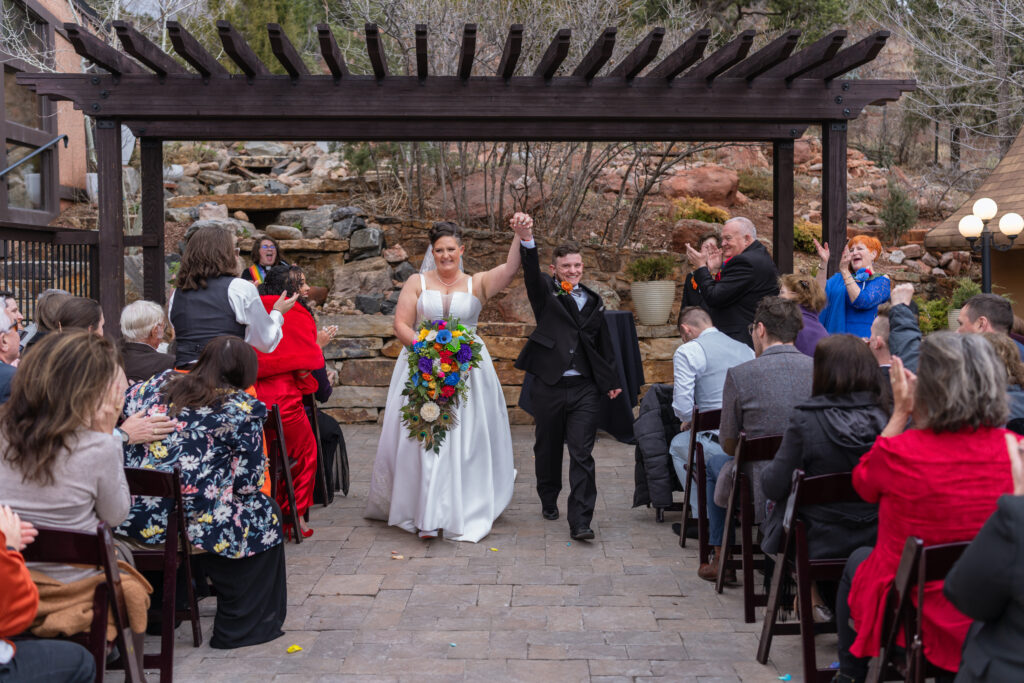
439,365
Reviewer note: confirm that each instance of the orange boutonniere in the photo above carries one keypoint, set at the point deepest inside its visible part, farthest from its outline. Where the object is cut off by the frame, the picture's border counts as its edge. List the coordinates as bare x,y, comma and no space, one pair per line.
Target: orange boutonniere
564,288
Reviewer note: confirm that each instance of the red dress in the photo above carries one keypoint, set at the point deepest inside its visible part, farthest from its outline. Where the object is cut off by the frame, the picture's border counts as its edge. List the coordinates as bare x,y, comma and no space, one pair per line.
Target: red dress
941,488
283,378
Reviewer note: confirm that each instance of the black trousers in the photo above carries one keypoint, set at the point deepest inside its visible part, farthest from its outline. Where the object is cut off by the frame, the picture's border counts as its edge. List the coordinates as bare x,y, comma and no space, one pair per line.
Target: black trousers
854,667
566,413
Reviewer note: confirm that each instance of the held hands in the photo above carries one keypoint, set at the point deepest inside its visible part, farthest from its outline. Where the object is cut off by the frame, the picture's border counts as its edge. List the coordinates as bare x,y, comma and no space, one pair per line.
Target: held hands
141,428
17,532
522,224
902,294
696,258
903,384
1013,446
284,303
324,336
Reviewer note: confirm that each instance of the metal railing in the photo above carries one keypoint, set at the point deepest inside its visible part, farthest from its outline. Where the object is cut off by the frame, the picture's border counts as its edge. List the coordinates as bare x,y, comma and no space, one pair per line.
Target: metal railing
39,150
33,260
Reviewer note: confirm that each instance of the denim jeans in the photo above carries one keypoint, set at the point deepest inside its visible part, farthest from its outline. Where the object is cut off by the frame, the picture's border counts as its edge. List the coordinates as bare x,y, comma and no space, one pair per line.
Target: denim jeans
48,661
714,459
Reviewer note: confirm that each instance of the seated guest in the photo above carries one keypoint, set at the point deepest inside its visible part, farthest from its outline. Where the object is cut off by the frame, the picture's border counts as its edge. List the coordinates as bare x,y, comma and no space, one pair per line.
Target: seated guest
747,276
698,367
988,313
9,352
266,254
854,293
142,327
77,311
211,300
758,398
11,307
220,449
47,305
827,434
878,342
1006,350
987,584
710,246
808,293
286,374
59,661
938,481
60,462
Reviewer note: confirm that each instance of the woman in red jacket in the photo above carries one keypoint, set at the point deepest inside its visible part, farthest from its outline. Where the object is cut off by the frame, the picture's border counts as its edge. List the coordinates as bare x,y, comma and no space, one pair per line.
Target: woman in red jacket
938,481
294,368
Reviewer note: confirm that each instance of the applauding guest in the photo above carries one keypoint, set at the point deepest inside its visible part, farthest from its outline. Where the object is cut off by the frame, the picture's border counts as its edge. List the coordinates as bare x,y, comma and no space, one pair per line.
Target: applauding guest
142,325
747,276
855,292
711,247
808,293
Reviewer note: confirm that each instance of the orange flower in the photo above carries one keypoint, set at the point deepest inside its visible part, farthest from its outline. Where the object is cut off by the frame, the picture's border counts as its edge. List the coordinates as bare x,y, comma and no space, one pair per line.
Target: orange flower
437,347
566,286
431,393
426,377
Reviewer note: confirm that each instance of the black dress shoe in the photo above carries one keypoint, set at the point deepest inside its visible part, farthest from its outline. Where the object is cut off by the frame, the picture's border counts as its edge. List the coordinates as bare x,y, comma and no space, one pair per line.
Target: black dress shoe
584,533
691,530
550,513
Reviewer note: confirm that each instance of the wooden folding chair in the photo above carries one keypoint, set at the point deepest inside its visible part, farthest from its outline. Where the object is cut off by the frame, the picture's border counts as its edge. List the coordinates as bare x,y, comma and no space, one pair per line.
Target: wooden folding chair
919,564
78,547
794,560
699,422
320,483
748,451
174,555
280,465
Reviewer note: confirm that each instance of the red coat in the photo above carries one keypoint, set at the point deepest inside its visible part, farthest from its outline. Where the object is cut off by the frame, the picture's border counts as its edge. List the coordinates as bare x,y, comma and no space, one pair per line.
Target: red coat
939,487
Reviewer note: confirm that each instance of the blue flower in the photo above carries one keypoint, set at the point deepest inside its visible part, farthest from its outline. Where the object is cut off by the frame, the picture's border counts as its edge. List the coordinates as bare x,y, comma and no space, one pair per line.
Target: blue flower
451,379
464,367
443,337
862,275
417,347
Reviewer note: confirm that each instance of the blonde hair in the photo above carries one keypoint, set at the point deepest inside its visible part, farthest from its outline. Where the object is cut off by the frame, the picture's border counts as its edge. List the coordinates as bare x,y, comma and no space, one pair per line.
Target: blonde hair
806,289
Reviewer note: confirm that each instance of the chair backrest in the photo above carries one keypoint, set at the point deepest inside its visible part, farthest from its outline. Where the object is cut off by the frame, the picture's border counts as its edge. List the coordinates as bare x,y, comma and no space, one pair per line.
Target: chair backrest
706,420
757,449
156,483
819,490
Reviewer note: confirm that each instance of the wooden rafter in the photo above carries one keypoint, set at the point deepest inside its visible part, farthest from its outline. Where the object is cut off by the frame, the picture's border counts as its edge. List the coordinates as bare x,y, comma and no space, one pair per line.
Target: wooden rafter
192,52
765,58
849,59
142,49
598,55
375,51
236,47
511,52
685,56
811,56
331,53
553,57
468,52
99,53
285,52
723,59
642,55
421,52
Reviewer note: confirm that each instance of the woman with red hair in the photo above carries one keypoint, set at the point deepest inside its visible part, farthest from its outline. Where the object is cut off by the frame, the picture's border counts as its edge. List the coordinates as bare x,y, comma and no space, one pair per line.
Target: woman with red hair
855,292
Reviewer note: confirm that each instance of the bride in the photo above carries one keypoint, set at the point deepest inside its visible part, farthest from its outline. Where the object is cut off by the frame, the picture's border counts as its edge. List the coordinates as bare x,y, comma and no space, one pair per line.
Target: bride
462,489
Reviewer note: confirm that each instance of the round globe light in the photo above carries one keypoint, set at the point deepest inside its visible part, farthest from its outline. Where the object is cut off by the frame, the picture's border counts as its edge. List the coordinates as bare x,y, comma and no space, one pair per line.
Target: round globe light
970,226
1011,224
985,209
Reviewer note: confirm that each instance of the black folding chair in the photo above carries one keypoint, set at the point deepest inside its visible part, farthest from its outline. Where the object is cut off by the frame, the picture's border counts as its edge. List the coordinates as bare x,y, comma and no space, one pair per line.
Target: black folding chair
700,422
320,483
281,465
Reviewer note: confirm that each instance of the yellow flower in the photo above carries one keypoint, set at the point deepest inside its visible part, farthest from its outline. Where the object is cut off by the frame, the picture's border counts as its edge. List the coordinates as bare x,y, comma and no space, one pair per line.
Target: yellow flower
244,407
423,334
158,450
445,367
205,518
221,547
152,530
456,333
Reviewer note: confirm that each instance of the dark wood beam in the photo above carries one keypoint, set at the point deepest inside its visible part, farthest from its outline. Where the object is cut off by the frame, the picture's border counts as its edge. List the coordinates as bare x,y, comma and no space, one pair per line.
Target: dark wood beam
239,51
151,166
833,190
375,50
193,52
850,58
722,59
511,52
782,204
110,261
140,47
553,57
468,51
765,58
286,52
421,52
811,56
598,55
99,53
683,57
642,55
331,53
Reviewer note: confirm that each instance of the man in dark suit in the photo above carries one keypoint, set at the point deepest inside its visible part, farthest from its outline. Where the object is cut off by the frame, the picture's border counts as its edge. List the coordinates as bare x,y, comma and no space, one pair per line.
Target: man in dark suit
9,352
142,326
570,354
748,275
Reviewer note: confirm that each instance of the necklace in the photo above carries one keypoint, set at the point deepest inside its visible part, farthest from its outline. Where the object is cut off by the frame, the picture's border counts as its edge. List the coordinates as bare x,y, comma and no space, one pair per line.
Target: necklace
447,284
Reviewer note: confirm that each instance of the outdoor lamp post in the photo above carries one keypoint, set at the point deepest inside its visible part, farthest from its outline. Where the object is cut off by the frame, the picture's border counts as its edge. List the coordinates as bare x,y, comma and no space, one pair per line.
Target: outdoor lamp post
973,226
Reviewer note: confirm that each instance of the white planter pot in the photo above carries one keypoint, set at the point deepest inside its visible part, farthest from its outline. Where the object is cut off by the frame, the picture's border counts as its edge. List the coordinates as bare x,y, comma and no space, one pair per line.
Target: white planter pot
653,300
953,319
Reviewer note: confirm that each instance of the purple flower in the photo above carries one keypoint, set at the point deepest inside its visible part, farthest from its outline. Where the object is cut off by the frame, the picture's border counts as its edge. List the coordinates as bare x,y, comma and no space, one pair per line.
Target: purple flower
426,365
464,354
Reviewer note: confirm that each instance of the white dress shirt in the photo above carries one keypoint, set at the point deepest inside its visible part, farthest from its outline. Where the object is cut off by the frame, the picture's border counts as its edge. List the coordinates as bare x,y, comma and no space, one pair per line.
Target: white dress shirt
688,361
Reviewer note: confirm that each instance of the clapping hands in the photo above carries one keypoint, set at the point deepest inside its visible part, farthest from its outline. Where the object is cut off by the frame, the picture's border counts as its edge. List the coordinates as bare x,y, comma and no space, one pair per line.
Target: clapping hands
697,259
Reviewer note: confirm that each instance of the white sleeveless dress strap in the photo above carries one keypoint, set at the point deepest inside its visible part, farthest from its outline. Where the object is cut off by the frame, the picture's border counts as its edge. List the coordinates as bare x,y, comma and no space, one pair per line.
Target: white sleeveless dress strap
423,282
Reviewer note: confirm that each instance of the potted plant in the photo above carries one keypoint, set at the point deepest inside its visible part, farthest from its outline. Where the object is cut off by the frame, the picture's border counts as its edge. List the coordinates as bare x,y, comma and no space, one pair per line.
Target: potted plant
653,289
964,290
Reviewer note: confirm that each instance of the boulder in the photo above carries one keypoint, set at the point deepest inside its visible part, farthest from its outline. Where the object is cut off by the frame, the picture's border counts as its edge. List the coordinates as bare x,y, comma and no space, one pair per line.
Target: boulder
191,169
284,232
938,272
608,295
395,254
366,276
342,212
365,243
314,222
930,260
347,225
187,187
689,231
240,216
742,156
946,258
389,304
481,200
240,228
913,251
513,305
272,149
954,267
403,271
897,256
211,211
369,303
275,187
803,151
180,215
235,187
714,184
216,177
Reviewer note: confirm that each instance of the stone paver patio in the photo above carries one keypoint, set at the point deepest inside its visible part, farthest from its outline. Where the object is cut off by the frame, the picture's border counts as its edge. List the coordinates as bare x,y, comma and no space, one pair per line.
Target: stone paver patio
524,604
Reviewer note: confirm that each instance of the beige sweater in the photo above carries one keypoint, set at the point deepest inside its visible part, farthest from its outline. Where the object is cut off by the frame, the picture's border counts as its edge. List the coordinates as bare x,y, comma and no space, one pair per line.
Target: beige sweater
89,487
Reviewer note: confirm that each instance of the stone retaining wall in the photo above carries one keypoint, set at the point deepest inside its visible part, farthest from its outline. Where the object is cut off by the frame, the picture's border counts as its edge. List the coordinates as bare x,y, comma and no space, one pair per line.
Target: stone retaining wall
364,356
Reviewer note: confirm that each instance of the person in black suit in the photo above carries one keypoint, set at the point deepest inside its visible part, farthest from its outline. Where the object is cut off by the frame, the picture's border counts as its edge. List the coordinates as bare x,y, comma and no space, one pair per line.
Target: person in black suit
987,584
710,245
570,353
748,275
142,328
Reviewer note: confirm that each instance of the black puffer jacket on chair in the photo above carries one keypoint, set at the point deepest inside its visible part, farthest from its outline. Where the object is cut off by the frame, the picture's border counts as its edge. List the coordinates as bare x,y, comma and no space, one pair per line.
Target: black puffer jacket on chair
654,478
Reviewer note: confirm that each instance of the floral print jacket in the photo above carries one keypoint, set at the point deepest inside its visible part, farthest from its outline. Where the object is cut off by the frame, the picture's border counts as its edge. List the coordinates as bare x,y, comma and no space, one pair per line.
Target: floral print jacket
220,450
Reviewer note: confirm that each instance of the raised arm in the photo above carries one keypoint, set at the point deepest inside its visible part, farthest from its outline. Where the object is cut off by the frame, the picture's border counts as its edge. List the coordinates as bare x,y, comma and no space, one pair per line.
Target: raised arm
499,277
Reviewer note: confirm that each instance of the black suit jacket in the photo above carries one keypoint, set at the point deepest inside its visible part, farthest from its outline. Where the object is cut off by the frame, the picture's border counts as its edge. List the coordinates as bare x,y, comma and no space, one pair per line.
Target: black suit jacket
142,361
987,584
562,330
731,300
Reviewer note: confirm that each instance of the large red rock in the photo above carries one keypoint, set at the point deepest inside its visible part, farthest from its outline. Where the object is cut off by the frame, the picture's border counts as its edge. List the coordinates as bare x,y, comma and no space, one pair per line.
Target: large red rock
742,156
690,231
477,208
714,184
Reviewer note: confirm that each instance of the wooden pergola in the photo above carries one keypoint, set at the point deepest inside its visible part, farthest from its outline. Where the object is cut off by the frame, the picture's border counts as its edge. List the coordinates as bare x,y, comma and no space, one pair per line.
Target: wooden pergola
773,95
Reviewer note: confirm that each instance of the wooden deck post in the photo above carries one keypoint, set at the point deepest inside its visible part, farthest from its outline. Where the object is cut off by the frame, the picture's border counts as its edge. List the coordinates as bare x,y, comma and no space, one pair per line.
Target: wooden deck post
111,224
782,204
833,189
152,163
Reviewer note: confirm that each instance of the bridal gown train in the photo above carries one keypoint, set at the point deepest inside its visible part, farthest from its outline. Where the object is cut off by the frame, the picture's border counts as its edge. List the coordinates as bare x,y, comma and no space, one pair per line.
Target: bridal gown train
464,488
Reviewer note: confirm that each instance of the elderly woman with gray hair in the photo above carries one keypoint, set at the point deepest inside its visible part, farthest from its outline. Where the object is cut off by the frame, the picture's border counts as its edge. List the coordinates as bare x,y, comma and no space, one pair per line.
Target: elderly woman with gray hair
938,481
142,326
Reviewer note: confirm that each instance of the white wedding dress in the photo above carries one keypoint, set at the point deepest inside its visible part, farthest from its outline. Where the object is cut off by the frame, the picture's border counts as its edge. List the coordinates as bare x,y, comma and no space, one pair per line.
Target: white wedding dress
464,488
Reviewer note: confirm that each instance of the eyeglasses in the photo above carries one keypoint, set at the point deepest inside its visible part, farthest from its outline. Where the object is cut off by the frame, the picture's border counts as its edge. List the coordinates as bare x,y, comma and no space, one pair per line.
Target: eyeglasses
268,247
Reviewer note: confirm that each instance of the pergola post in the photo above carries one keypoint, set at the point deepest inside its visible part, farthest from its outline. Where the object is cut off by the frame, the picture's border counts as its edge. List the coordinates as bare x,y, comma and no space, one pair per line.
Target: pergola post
782,204
152,167
111,223
833,189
